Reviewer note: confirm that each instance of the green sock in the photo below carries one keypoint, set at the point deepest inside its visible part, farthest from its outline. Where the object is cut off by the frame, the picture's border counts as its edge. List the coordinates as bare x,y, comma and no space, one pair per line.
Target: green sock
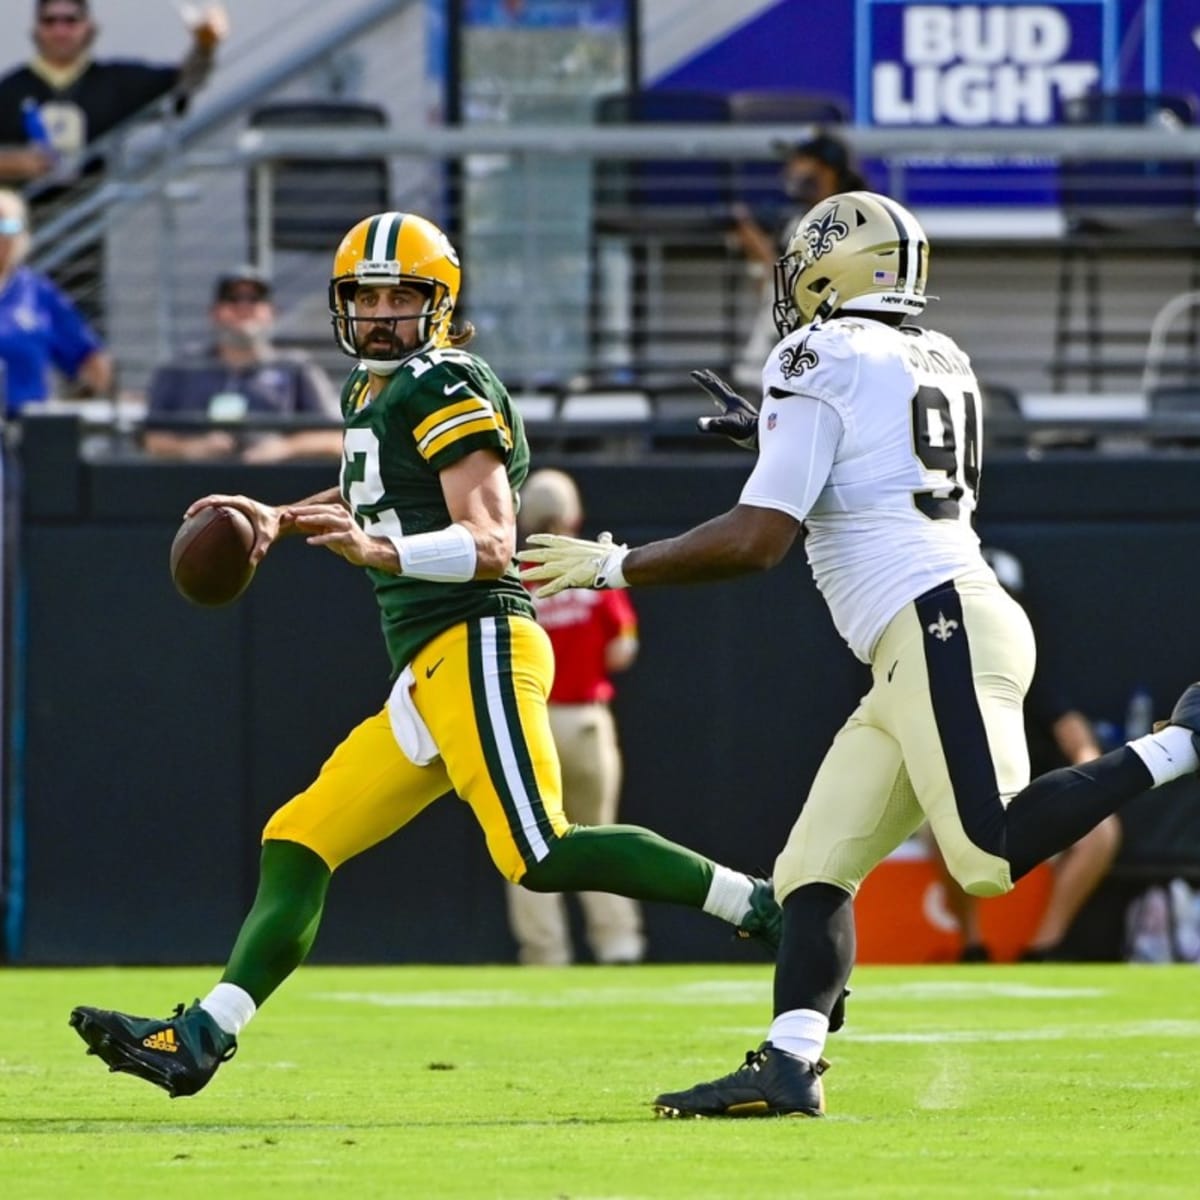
279,929
625,859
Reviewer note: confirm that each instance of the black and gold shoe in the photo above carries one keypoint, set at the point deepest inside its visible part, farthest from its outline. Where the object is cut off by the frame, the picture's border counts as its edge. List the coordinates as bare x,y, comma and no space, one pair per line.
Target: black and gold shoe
180,1054
769,1083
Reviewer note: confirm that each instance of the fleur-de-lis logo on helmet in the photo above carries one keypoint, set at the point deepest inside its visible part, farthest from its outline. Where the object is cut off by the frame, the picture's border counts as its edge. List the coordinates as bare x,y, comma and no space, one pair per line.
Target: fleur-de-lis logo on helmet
822,232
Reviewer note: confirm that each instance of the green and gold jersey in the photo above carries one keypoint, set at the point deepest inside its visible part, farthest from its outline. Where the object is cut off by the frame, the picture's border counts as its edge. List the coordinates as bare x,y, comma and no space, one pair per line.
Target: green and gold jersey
437,408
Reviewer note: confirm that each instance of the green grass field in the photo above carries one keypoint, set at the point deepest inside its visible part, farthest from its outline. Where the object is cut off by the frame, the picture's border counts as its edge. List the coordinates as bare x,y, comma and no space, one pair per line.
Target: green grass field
973,1082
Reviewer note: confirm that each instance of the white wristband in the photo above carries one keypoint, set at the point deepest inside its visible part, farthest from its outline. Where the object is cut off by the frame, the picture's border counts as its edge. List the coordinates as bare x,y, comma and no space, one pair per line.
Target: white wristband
610,573
441,556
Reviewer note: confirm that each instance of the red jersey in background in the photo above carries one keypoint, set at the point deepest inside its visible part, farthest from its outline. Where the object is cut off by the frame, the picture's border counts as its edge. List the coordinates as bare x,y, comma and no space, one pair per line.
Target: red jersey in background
580,625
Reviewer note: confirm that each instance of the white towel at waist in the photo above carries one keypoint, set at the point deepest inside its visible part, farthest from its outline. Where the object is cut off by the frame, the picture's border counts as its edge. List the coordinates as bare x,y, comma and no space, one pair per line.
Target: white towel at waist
411,733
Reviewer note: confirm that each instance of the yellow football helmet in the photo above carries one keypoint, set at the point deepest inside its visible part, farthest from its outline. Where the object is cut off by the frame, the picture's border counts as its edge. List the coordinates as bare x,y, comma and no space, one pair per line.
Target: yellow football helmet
854,252
390,248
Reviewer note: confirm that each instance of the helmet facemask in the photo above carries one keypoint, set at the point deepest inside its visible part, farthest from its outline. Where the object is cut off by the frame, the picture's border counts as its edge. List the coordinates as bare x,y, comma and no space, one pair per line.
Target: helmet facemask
391,250
433,318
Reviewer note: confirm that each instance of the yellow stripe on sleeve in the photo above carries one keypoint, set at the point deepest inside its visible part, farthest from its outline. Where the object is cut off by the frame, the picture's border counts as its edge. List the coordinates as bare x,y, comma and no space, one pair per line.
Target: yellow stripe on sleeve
482,425
471,404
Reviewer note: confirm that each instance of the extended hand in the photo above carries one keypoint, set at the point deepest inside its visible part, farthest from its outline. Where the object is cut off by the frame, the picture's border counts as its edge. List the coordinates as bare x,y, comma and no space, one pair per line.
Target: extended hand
567,562
739,418
209,26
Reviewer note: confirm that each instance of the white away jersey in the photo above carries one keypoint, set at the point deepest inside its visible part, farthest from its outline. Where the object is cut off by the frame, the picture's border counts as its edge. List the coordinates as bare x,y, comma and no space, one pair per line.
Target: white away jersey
870,435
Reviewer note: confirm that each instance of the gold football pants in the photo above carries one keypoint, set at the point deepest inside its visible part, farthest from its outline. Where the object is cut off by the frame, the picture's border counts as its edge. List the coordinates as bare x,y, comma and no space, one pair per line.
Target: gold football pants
481,689
940,736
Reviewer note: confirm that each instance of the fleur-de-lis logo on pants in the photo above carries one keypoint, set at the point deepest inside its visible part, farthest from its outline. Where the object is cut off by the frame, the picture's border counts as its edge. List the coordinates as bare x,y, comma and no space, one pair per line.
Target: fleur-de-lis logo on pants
943,629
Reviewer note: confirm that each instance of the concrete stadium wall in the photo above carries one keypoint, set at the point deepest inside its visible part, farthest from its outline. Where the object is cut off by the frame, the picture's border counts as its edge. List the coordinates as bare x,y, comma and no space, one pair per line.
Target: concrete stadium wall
158,737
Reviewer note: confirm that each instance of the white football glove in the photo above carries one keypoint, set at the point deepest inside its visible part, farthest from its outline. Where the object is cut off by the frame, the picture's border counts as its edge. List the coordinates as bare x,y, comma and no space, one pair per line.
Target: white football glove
567,562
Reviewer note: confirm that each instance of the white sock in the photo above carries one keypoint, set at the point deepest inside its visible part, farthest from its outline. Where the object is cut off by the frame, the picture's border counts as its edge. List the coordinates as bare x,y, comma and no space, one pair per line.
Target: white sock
230,1006
1167,754
800,1031
729,895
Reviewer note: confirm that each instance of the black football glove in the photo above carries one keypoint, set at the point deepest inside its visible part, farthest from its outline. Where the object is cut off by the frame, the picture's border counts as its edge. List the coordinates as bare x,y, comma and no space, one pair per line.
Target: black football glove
739,418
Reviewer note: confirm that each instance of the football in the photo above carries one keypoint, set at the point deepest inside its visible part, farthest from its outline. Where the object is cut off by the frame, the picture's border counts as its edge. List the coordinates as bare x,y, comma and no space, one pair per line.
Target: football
210,556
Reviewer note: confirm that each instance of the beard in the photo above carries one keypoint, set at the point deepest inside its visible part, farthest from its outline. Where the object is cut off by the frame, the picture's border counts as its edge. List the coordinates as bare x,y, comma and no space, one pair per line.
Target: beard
383,343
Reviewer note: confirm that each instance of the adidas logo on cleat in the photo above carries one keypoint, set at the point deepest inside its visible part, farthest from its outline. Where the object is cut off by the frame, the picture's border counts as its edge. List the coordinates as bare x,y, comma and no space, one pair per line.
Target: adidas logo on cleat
163,1040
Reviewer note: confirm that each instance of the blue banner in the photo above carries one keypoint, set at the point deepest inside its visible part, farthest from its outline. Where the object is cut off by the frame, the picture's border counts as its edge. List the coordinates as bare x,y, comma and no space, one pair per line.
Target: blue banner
1003,63
960,63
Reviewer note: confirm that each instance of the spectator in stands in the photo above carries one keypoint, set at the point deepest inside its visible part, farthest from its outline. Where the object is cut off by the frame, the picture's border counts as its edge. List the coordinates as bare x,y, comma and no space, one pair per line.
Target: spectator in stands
238,376
62,101
79,99
813,170
1059,735
39,327
594,634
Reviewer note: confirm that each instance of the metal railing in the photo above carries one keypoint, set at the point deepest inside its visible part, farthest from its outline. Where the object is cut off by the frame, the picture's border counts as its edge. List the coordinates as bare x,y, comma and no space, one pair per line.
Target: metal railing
589,251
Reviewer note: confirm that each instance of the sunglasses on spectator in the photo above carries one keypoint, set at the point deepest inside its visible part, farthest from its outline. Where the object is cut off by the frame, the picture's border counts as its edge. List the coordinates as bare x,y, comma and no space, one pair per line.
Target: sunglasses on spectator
60,19
244,296
11,226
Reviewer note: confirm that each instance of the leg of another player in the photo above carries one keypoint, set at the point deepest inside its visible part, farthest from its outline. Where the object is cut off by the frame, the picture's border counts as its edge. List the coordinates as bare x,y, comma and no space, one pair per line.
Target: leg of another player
961,906
182,1053
1077,873
586,736
783,1076
552,855
538,921
816,956
638,863
276,935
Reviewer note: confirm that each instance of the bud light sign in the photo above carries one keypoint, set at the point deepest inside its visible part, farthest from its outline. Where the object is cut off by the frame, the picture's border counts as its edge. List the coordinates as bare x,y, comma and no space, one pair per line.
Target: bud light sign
1002,63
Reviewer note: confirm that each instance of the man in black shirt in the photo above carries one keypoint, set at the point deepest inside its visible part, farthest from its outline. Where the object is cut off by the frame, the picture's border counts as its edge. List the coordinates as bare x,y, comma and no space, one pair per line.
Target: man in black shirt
62,101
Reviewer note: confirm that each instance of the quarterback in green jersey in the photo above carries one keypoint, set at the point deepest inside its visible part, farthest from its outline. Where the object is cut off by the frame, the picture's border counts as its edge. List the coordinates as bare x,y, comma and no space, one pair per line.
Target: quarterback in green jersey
434,456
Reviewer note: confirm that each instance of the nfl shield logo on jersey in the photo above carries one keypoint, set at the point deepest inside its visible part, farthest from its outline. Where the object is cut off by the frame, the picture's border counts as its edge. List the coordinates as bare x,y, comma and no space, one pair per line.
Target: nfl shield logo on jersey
771,420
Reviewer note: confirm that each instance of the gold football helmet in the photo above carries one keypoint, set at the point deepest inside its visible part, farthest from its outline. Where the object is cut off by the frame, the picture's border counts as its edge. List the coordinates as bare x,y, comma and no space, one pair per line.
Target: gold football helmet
854,252
389,248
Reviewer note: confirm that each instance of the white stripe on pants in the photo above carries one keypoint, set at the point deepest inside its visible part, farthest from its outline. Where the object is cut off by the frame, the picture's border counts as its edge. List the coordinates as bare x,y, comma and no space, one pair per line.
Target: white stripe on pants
586,737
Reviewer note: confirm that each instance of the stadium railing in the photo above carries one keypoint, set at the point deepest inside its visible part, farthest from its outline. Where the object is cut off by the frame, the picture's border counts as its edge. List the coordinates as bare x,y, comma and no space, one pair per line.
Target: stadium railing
547,305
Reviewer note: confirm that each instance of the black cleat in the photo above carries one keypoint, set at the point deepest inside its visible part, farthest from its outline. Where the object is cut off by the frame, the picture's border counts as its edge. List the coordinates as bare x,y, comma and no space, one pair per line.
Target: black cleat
1186,714
764,921
180,1054
769,1083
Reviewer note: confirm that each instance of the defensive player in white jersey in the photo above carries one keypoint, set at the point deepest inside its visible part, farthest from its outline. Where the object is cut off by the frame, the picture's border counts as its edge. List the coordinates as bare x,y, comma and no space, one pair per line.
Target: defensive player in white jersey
869,440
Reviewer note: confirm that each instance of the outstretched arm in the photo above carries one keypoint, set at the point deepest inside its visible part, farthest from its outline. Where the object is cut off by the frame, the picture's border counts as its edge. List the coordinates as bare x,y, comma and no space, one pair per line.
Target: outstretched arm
741,541
793,465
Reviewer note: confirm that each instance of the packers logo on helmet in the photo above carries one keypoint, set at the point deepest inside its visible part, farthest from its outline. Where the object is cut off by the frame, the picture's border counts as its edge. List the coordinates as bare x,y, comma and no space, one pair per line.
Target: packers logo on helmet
387,249
854,252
